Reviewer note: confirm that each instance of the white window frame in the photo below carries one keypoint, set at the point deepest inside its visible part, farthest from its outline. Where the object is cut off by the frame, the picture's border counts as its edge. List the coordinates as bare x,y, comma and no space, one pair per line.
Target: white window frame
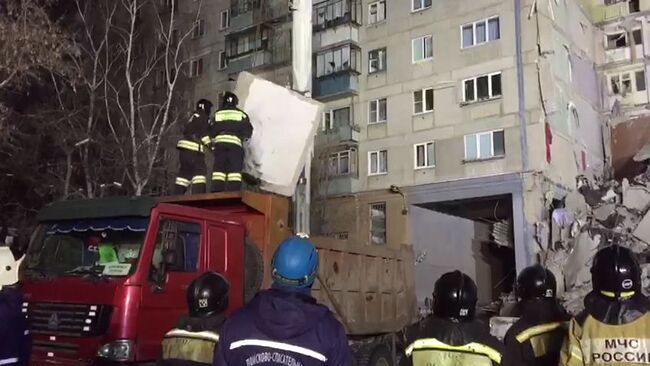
379,206
200,25
626,36
378,153
381,16
351,153
487,32
325,124
491,94
223,60
478,145
427,164
377,102
381,60
223,26
632,75
424,101
422,8
421,39
194,64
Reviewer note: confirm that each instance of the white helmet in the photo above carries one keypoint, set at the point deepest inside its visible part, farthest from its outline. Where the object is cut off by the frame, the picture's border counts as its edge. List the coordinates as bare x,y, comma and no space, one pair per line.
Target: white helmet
9,266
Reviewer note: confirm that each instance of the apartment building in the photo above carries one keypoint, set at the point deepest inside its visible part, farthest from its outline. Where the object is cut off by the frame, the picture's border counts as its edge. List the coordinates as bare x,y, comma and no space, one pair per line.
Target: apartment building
421,141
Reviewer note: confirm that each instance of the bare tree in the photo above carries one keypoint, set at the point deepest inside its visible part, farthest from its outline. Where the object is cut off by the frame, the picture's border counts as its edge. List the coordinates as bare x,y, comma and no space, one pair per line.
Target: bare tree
139,118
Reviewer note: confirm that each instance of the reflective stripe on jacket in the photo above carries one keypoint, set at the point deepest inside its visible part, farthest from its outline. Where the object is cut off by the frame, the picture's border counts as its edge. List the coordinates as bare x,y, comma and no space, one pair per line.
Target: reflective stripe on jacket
430,351
189,348
189,145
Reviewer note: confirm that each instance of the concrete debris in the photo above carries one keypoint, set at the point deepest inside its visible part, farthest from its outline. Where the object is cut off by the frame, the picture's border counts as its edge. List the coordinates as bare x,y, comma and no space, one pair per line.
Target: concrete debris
642,231
541,235
643,154
635,197
576,271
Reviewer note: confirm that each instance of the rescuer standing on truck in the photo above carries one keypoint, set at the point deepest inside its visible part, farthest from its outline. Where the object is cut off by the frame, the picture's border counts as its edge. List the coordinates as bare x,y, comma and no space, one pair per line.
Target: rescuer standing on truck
15,338
230,128
285,325
194,341
614,328
190,150
536,338
451,336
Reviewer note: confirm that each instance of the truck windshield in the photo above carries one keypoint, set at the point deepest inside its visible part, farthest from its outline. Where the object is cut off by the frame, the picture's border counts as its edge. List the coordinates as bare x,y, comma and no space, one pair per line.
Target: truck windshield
102,247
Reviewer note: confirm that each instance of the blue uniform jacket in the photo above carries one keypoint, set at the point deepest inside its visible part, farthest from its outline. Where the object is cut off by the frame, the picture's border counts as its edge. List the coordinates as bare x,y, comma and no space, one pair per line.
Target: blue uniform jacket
15,339
280,327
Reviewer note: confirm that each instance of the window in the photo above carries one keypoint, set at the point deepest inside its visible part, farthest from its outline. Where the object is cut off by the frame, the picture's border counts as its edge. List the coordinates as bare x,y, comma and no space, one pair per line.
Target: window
484,145
422,48
377,162
377,12
182,239
223,60
634,6
332,13
425,155
621,39
336,118
196,67
482,87
225,20
249,41
420,4
342,163
338,59
174,40
376,60
199,28
378,223
479,32
377,111
159,78
627,82
423,101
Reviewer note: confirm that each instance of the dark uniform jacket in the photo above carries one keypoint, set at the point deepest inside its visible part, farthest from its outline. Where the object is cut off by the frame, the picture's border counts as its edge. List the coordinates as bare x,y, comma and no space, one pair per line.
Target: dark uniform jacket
231,125
192,343
443,342
15,338
536,338
196,133
609,332
280,327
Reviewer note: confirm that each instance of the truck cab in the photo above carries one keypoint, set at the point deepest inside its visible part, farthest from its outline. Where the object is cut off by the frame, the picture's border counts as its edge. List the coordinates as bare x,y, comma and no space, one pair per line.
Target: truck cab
106,278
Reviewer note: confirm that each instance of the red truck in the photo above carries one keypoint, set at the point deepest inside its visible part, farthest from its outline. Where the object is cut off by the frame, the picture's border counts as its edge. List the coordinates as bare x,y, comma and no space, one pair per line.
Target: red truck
106,278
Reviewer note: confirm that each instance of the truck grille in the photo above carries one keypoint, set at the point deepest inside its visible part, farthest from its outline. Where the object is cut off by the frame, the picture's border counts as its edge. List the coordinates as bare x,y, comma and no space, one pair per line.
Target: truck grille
68,319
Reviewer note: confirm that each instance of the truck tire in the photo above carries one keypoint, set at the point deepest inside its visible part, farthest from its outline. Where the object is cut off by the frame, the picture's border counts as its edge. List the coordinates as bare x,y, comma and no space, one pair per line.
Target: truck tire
381,356
253,269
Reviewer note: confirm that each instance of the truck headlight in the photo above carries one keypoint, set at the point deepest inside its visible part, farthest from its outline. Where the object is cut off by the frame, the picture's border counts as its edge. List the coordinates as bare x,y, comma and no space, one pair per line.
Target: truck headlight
121,350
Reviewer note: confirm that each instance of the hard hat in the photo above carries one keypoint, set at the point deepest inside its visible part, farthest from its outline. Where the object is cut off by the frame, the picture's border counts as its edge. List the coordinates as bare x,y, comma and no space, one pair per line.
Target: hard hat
204,104
295,263
9,266
615,272
230,100
536,282
208,295
454,296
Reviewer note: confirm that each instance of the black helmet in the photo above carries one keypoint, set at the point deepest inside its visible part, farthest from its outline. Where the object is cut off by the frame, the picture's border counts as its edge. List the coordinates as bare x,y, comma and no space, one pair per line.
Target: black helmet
204,104
615,272
536,282
208,295
230,100
454,296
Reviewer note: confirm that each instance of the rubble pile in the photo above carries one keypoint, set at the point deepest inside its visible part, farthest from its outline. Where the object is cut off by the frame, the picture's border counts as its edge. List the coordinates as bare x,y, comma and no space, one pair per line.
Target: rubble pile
598,214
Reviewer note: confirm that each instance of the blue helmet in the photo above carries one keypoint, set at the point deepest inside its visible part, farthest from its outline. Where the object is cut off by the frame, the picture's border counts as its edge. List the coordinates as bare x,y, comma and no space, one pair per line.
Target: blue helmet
295,263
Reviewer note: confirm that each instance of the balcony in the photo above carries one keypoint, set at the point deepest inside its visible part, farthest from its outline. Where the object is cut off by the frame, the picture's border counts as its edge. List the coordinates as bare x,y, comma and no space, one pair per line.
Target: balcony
338,185
250,61
246,13
333,13
615,9
336,85
337,136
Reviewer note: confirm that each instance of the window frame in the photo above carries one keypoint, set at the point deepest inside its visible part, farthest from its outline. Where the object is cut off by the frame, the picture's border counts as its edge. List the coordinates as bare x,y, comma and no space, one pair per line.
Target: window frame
199,64
378,153
223,60
427,163
380,206
424,101
423,40
200,25
221,22
423,8
490,91
631,75
478,145
381,60
377,102
377,5
185,221
352,166
486,21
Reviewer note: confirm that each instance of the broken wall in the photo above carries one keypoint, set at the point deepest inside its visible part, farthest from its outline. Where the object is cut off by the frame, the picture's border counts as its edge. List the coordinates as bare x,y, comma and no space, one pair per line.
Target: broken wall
626,140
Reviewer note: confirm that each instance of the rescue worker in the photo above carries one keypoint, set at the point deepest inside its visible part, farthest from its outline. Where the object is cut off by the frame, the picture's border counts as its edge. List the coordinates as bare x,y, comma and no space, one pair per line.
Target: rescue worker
452,336
536,338
614,328
190,147
230,127
15,337
194,341
285,325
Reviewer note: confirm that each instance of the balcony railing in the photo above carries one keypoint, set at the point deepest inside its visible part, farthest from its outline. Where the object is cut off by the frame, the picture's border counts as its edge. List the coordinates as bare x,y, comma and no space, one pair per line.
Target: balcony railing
338,135
332,13
336,85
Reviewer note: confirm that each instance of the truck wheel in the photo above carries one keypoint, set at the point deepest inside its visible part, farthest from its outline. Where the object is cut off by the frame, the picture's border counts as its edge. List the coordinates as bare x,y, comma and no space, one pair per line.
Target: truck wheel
253,269
381,356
